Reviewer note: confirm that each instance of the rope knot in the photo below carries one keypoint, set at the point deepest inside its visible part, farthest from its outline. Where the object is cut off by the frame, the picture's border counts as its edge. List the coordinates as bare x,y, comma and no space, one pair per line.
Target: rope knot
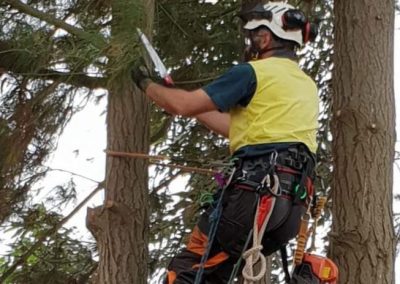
252,256
254,252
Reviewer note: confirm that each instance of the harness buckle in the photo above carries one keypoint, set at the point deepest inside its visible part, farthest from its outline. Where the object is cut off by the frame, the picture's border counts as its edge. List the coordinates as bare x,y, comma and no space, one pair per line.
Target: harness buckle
265,185
273,158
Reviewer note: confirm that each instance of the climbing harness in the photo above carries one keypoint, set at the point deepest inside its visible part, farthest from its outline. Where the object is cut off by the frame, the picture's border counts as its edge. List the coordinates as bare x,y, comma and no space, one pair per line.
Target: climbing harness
272,181
272,190
214,219
253,255
268,187
264,211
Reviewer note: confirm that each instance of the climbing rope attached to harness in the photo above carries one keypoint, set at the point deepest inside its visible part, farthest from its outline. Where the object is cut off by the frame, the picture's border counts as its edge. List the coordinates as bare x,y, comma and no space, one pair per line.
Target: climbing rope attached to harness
254,255
305,232
264,211
214,221
309,267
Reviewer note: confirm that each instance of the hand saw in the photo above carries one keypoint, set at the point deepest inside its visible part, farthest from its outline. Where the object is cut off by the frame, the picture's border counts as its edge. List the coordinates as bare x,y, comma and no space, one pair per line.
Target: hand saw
159,65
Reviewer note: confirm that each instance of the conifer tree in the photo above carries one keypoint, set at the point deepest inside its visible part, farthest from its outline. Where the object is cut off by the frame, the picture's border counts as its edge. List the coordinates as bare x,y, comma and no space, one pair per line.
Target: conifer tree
53,52
362,238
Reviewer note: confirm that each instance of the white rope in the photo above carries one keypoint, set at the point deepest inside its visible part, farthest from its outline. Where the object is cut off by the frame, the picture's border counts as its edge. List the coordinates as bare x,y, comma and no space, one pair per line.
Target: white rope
253,255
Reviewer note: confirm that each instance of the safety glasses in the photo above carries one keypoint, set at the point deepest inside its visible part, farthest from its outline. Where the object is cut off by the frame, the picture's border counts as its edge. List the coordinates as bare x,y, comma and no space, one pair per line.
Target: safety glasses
255,15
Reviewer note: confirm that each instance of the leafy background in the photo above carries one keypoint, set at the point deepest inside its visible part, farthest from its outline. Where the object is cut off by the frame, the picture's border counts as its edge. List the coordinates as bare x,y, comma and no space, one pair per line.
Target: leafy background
56,77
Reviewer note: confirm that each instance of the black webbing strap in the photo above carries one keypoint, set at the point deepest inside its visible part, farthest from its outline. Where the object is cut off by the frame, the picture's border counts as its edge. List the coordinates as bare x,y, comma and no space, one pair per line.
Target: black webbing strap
214,219
285,264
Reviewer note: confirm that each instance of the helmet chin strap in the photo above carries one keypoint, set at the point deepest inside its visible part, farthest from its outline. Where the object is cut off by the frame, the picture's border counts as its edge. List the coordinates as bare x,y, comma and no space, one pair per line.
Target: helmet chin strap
254,52
267,49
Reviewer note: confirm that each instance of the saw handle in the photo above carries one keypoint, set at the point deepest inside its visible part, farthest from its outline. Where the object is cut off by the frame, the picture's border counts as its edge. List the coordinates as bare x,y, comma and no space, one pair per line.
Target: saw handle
168,81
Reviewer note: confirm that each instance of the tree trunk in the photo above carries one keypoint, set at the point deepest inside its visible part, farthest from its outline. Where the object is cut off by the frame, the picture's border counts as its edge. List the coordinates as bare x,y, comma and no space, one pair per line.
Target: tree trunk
121,225
363,129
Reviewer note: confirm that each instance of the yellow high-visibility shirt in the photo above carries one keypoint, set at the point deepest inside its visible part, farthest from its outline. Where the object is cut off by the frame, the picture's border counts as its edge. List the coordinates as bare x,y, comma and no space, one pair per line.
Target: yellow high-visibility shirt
284,107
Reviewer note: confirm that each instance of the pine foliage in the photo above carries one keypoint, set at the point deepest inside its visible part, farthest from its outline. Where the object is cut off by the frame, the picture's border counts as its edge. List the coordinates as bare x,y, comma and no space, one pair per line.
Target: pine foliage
47,62
51,50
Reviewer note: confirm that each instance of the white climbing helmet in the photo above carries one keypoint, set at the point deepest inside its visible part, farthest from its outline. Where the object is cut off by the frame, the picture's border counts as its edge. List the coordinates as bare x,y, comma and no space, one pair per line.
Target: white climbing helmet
275,16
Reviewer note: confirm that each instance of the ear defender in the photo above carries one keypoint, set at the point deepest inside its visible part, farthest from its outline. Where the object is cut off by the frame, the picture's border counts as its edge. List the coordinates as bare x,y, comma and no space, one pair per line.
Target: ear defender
310,32
295,19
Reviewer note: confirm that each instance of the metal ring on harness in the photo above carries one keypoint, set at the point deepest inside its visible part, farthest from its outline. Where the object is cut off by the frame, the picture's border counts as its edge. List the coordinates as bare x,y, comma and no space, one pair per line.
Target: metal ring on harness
303,195
266,183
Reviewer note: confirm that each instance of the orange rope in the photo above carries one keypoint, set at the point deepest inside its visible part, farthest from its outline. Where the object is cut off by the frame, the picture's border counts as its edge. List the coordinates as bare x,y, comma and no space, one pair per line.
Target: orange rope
316,213
136,155
301,240
158,158
305,232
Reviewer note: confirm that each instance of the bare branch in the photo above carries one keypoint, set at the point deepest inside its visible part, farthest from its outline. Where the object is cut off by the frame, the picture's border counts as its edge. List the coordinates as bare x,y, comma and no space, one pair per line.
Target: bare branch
74,174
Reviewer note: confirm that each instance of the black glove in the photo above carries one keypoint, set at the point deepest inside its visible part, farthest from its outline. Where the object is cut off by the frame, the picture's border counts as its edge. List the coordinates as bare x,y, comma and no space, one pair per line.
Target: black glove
141,76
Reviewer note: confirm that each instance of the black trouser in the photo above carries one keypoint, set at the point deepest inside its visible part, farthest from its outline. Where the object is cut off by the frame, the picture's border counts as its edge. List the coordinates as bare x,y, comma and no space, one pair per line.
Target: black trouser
239,205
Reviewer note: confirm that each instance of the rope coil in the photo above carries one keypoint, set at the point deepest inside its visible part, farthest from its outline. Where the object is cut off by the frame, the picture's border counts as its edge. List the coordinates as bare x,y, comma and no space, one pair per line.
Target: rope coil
253,255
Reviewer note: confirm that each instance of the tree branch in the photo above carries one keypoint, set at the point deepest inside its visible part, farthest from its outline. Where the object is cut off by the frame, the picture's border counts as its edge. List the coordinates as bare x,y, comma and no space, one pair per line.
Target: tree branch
74,174
9,55
22,259
95,39
78,80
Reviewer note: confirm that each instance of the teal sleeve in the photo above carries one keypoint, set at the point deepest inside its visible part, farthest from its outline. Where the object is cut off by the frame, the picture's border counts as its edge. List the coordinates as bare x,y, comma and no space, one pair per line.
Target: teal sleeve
236,87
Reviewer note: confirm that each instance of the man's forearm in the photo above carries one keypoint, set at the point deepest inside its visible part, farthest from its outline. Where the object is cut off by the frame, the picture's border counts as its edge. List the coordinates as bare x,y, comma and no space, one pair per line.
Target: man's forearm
216,121
190,103
166,98
180,102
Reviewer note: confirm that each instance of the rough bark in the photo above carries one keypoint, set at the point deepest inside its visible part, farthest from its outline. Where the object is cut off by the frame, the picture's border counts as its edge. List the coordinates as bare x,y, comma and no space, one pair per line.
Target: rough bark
120,226
362,239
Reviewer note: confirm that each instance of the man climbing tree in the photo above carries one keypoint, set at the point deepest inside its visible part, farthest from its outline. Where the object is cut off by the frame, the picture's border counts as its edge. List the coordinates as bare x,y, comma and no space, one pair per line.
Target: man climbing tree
268,108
